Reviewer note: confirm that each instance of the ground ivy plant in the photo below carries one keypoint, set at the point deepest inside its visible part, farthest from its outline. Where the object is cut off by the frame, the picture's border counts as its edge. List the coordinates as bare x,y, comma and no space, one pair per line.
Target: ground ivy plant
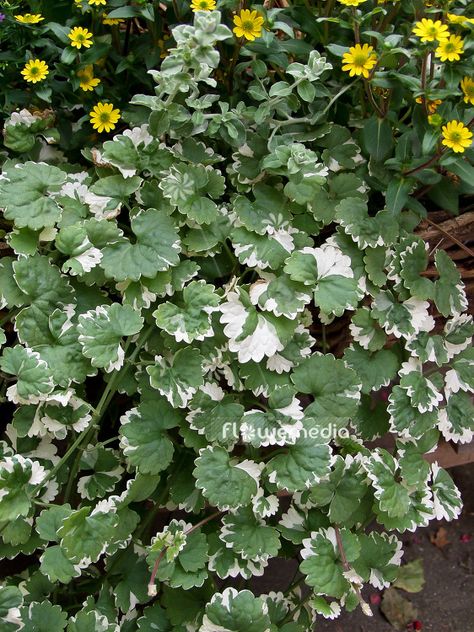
175,417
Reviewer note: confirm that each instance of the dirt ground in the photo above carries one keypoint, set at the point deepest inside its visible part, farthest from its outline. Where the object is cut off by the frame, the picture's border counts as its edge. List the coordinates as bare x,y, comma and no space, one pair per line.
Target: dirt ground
446,603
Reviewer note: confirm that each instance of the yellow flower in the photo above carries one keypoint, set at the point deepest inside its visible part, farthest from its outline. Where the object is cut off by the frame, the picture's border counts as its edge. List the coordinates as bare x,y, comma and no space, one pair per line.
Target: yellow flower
248,24
467,86
112,21
359,60
351,3
35,70
103,117
450,49
430,31
29,18
97,2
431,106
87,79
80,37
454,18
456,136
203,5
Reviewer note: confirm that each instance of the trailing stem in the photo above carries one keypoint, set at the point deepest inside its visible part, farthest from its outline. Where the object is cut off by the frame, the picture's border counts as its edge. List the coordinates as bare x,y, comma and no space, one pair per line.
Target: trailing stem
347,569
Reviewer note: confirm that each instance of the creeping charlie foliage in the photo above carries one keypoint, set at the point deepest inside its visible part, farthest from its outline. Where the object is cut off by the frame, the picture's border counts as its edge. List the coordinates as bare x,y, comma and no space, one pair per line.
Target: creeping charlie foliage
178,410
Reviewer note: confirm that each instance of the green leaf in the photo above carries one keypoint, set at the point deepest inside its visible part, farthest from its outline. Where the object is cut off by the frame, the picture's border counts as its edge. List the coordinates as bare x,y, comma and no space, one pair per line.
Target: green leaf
423,392
179,378
335,387
397,193
405,419
49,521
226,483
377,138
26,194
217,417
235,611
43,617
192,321
101,331
18,476
86,621
446,496
154,619
322,563
144,439
366,231
34,378
380,556
414,261
329,270
249,536
375,369
44,288
449,297
116,187
85,534
343,491
10,598
155,248
392,497
57,567
307,461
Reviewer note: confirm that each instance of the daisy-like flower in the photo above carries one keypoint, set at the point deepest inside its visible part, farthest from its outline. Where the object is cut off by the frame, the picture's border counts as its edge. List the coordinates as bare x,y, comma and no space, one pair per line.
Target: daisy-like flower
248,24
430,31
431,106
29,18
87,79
456,136
359,60
467,86
450,49
97,3
462,20
35,70
103,117
80,37
203,5
351,3
112,21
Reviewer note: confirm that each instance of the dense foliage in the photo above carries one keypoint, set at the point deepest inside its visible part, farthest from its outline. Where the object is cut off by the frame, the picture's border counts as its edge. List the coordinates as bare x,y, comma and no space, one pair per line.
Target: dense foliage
174,416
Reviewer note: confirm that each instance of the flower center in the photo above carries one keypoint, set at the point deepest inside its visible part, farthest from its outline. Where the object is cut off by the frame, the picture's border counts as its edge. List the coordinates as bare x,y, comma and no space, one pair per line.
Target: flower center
34,70
247,26
455,137
360,59
104,117
449,47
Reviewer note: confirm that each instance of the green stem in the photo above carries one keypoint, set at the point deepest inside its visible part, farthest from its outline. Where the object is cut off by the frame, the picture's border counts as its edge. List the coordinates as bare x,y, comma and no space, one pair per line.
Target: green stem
370,96
339,94
424,165
96,416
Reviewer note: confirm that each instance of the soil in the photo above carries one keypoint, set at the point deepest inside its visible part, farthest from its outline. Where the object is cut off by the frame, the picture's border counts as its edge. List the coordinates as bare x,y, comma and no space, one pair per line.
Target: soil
446,603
